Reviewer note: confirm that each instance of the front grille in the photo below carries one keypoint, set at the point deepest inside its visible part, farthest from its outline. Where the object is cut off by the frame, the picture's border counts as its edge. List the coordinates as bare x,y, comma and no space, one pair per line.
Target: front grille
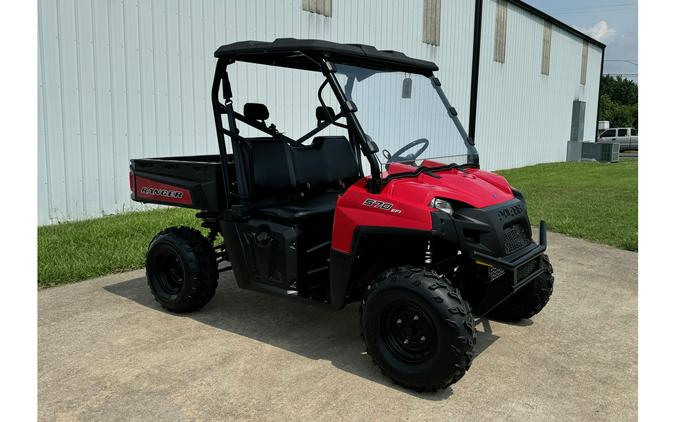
494,273
515,238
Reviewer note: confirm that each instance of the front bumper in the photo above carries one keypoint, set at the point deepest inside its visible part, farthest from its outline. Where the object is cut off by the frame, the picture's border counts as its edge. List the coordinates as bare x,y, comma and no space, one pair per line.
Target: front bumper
519,260
485,237
520,269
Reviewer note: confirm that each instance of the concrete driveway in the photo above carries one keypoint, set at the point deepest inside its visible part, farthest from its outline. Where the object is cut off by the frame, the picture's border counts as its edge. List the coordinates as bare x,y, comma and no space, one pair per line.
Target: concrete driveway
108,352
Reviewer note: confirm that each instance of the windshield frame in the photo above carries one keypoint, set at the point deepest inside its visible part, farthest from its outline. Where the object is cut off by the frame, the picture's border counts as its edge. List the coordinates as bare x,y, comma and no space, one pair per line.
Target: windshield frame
368,147
357,136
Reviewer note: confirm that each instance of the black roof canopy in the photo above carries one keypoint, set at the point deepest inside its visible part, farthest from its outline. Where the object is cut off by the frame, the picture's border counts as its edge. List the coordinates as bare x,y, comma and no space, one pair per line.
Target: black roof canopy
299,54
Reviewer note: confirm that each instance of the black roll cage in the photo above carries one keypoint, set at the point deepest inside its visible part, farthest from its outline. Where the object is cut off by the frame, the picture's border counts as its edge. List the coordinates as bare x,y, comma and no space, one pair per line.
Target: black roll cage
358,137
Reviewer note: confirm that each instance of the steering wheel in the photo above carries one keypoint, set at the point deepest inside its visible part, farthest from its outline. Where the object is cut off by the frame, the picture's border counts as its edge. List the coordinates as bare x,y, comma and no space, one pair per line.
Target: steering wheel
398,156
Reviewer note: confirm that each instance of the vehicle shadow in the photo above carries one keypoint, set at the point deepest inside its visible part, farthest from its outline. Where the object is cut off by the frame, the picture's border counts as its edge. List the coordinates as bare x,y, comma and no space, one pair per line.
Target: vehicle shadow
307,330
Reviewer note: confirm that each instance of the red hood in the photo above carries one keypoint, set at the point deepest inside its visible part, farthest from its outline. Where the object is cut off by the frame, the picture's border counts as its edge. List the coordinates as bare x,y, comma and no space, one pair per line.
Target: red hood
475,187
405,203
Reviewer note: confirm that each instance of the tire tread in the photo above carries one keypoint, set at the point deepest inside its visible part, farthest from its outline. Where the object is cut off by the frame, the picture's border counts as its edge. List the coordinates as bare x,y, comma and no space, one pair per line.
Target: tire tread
458,316
201,259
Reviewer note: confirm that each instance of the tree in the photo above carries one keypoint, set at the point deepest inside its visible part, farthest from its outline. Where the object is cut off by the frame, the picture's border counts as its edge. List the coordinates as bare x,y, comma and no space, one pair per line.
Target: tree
619,115
619,89
619,101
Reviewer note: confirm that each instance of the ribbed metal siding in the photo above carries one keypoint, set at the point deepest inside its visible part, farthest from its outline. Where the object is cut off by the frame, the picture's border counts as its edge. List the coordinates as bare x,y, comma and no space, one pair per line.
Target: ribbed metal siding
524,117
124,79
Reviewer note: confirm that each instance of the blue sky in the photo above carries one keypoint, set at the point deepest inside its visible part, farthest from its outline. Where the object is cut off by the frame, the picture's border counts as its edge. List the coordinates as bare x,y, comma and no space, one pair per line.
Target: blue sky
614,22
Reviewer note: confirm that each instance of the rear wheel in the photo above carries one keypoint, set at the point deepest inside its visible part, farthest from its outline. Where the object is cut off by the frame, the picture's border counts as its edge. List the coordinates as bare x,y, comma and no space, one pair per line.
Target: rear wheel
417,328
181,269
528,301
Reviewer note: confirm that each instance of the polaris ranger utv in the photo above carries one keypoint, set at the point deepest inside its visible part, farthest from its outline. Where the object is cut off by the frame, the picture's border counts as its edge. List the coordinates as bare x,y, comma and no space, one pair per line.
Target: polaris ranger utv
421,237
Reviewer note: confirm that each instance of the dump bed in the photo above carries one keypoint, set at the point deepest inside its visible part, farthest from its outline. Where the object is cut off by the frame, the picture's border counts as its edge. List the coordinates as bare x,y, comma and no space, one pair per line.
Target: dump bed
189,181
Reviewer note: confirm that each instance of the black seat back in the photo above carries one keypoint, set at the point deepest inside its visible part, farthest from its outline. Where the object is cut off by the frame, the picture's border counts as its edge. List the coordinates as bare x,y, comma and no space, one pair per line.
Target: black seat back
327,160
271,164
277,165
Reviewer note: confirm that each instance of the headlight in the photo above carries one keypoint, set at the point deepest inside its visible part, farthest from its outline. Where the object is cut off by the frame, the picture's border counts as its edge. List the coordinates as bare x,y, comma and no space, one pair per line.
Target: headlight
442,205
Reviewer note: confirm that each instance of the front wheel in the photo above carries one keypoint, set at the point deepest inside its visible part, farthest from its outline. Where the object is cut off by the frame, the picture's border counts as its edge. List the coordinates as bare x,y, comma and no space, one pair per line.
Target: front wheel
417,328
181,269
528,301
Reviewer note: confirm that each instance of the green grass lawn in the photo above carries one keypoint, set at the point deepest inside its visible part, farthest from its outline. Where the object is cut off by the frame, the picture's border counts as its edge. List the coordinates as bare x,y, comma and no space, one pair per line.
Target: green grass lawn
593,201
80,250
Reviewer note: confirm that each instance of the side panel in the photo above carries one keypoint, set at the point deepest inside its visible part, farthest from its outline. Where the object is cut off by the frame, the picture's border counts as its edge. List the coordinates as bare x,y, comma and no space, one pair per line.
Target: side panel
263,252
360,208
148,190
190,184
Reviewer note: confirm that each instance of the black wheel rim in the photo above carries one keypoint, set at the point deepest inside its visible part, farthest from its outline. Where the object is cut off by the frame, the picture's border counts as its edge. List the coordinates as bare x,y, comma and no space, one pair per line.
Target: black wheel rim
170,275
408,332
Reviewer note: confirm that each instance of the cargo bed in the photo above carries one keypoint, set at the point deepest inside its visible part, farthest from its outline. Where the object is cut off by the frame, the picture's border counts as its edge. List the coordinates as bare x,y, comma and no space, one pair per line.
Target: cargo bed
189,181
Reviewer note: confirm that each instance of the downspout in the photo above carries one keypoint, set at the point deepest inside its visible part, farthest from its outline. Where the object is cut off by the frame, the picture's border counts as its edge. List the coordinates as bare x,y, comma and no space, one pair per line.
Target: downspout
475,66
597,116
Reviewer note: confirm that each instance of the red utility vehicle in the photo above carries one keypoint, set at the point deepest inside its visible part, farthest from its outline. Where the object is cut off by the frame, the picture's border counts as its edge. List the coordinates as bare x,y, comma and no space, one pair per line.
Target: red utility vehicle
421,237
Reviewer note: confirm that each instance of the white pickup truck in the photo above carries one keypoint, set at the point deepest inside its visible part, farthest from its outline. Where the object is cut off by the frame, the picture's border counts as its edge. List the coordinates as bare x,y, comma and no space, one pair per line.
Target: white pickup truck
626,137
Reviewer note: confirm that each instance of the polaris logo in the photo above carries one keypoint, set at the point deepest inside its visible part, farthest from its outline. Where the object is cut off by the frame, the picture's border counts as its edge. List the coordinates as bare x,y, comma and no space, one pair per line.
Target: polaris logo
161,192
509,212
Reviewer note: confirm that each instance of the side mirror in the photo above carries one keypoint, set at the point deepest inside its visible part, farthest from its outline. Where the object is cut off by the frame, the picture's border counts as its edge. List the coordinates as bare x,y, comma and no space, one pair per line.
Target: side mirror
406,92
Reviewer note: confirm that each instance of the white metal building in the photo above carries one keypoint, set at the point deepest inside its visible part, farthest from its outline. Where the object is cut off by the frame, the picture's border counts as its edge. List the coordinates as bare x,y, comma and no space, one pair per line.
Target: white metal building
122,79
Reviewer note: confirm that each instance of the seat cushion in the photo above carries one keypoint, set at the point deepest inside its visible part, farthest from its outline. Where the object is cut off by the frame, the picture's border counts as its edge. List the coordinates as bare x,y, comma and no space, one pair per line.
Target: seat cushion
301,209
